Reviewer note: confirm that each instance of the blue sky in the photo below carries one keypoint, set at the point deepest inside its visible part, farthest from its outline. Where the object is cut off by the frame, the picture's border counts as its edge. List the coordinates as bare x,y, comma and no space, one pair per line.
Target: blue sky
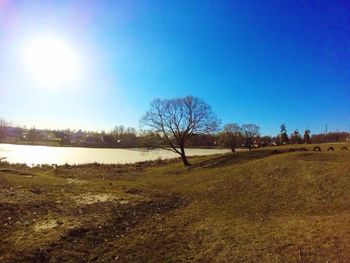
263,62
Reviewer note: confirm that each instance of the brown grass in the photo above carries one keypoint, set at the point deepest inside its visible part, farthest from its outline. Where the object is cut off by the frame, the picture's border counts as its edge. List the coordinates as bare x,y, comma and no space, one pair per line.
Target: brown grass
247,207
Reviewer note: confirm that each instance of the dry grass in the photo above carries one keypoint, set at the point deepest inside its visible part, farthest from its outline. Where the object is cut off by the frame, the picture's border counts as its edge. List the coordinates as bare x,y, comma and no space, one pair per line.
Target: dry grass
247,207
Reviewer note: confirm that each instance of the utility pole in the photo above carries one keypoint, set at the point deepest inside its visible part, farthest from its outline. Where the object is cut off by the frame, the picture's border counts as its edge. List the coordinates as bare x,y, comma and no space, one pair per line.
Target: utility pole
326,133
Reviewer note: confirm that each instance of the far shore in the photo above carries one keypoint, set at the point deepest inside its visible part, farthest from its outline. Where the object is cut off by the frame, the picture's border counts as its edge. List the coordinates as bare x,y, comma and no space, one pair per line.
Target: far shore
56,144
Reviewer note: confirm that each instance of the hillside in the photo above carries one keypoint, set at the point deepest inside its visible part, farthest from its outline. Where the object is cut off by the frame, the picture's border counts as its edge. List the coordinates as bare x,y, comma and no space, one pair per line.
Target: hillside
261,206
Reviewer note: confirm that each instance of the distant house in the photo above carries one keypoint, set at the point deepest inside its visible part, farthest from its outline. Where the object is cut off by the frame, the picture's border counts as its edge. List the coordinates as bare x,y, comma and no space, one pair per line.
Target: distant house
15,133
348,139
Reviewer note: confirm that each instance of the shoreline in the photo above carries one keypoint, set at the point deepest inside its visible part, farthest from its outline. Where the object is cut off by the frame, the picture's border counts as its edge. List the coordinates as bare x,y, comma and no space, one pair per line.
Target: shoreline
106,147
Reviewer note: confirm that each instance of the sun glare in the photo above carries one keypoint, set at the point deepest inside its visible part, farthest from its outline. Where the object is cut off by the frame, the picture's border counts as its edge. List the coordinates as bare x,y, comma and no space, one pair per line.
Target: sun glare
51,61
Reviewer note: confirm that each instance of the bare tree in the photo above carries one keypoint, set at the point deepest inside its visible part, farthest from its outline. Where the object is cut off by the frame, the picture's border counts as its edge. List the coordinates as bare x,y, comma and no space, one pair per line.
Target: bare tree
232,135
3,125
250,131
32,135
307,137
178,119
296,137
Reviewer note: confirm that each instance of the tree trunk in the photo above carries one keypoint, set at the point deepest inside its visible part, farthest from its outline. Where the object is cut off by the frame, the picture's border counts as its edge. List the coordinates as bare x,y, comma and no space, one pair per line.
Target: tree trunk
184,158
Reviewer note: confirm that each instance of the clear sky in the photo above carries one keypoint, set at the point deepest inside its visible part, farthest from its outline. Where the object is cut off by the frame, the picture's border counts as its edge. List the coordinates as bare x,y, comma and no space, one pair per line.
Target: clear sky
263,62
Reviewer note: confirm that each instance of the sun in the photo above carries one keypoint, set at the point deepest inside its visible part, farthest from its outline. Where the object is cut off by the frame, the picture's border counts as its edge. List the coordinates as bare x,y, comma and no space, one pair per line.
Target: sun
51,61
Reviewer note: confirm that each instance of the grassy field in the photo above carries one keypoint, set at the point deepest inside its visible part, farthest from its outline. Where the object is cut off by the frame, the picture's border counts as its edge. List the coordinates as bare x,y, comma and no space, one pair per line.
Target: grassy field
269,205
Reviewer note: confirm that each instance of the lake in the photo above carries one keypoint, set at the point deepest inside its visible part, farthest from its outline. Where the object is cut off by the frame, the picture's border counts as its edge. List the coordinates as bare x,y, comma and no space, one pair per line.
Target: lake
32,154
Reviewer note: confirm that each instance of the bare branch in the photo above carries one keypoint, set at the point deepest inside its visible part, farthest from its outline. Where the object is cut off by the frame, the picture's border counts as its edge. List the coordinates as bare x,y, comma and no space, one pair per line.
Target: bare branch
178,119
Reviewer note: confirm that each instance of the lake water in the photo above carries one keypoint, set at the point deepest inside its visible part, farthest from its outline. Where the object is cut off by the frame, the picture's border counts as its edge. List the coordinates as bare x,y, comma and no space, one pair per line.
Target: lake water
31,155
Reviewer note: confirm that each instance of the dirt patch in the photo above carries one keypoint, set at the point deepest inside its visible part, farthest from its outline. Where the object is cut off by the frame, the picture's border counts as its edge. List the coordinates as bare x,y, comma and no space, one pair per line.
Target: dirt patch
94,240
45,225
76,181
50,224
89,199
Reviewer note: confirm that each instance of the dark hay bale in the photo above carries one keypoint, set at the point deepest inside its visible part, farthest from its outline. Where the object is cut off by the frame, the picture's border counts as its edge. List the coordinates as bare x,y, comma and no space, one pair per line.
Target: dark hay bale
303,149
291,150
318,149
275,151
344,148
330,149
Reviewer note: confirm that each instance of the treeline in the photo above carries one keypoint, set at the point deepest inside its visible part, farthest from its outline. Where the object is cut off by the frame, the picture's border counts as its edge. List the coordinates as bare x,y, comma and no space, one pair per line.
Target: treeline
119,137
230,136
307,137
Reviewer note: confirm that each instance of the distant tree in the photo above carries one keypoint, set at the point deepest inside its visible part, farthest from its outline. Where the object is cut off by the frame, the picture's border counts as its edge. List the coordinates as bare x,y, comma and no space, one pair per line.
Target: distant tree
296,137
283,134
318,138
130,137
108,140
330,137
118,133
250,131
32,135
63,137
338,136
149,139
125,137
179,119
307,136
276,140
94,140
202,140
231,135
3,125
265,140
